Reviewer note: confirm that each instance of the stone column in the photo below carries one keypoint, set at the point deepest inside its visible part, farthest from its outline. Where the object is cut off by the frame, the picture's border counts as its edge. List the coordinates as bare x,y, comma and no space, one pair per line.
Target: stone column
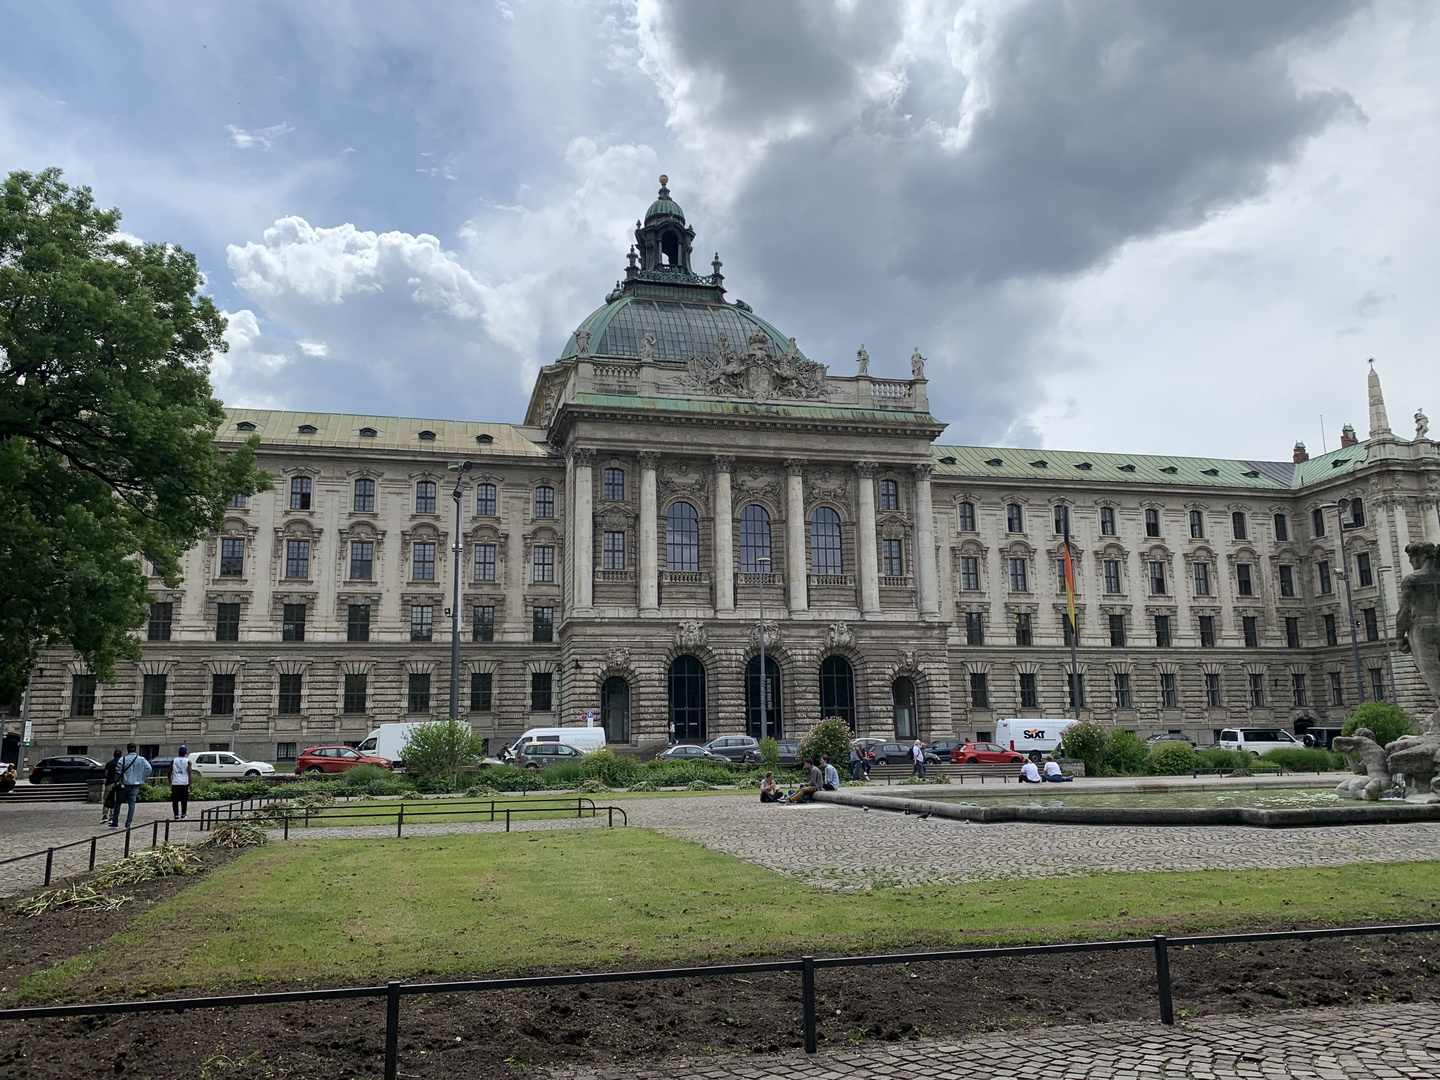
865,539
927,583
795,563
581,500
1386,535
648,539
724,536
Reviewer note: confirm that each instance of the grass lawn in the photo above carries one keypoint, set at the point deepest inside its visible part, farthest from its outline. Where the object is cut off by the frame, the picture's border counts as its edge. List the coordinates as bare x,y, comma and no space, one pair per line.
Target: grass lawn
345,911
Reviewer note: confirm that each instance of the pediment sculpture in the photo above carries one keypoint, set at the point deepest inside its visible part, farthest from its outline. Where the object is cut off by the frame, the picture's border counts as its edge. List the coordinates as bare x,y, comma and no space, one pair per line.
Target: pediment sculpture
757,373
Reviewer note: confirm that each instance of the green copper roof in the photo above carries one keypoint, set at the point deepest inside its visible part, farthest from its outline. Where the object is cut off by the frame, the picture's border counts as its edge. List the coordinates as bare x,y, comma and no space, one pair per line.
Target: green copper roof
278,427
661,207
682,329
750,408
1335,463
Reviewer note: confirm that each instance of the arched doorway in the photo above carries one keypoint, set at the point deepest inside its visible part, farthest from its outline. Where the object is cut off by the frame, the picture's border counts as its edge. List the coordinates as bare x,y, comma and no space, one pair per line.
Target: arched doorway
837,689
767,725
687,698
902,695
615,710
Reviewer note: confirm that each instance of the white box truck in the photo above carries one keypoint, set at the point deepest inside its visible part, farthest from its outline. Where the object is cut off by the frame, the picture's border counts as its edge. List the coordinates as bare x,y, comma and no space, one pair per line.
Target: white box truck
1034,736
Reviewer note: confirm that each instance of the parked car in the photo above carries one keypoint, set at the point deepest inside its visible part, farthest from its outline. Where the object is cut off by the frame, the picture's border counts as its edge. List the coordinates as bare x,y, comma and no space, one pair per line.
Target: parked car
898,753
71,769
985,753
789,752
689,752
1169,736
736,748
543,755
1320,736
1034,736
942,747
1257,741
160,766
223,765
328,759
587,739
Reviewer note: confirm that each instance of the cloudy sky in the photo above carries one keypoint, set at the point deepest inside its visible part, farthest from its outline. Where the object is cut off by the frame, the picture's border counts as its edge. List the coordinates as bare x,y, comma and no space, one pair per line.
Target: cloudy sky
1137,225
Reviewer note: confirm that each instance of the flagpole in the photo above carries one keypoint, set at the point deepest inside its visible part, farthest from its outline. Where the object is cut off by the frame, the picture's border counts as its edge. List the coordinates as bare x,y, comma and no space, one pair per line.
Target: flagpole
1074,629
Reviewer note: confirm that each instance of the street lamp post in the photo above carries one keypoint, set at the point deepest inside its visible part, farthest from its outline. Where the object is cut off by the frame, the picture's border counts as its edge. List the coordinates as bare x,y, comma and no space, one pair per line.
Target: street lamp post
1385,629
461,468
764,563
1349,600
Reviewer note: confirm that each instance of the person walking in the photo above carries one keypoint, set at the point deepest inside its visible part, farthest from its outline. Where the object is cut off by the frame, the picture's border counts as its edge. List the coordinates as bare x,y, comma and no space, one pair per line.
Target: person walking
917,756
112,786
180,785
857,760
133,771
672,732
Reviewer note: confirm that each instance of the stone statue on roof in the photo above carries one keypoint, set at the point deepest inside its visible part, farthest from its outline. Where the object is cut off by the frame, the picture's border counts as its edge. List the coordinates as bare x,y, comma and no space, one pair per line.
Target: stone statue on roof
647,345
1422,424
917,364
862,361
582,344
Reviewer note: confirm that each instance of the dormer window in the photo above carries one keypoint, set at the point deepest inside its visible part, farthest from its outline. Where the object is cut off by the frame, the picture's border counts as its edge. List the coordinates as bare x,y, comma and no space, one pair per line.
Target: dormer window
1251,473
368,433
244,425
308,429
1085,465
426,436
1127,468
485,440
1211,472
947,461
1041,464
1337,464
994,461
1171,469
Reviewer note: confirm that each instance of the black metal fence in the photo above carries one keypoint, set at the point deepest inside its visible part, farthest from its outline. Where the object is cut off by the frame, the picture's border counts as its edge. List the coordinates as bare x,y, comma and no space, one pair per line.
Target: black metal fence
48,854
807,966
379,813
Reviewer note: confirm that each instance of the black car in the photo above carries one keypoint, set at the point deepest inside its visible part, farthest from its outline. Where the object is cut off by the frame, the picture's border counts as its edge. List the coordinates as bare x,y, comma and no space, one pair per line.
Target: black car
740,748
72,769
898,753
789,753
160,766
942,747
689,752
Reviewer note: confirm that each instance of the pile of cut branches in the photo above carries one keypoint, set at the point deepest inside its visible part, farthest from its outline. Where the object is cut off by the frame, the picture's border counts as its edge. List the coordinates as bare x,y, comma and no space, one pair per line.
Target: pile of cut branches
234,834
83,896
166,860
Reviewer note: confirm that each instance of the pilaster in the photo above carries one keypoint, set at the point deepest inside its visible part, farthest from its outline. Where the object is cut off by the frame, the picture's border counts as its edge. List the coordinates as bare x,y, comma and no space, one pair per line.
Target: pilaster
649,536
795,534
724,536
582,498
869,557
926,575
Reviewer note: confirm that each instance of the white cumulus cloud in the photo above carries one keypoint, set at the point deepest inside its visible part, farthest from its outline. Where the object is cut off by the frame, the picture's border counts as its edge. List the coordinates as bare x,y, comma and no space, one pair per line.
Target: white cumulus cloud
264,138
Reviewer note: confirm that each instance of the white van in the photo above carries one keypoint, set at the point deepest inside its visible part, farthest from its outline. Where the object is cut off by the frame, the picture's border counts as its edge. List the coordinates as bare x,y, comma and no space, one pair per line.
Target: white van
1031,735
1258,740
387,740
585,739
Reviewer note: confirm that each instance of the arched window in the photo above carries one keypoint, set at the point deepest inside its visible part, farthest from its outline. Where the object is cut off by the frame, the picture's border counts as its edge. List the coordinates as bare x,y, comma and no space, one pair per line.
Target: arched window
825,555
754,539
902,695
682,538
687,697
425,497
615,710
762,723
837,689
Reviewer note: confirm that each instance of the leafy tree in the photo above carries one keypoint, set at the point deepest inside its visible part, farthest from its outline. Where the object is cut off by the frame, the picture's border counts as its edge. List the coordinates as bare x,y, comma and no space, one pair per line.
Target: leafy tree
107,425
435,753
1125,752
1086,741
830,737
770,752
1387,721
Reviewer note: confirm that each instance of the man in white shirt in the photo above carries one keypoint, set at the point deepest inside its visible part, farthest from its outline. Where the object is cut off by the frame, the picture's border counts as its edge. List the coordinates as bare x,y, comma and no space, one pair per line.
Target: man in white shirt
1029,774
1053,775
917,756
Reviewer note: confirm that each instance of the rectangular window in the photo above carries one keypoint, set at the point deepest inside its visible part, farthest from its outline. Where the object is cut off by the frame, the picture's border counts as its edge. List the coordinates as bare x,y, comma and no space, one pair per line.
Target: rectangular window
543,564
1251,629
285,751
1287,581
1112,575
1282,527
1152,522
1257,690
1023,635
1363,573
1067,629
1168,694
297,558
1202,579
1299,692
1332,632
480,683
424,562
979,690
1197,524
614,552
1372,626
484,562
1337,689
1122,691
1357,513
238,502
1017,576
1014,518
162,616
292,625
362,560
1237,525
1107,521
1377,684
1207,631
227,622
422,622
1162,631
1246,581
540,691
1029,691
425,497
418,697
969,573
1317,522
544,502
1060,577
355,690
1075,687
364,496
1157,578
894,559
484,500
232,556
542,624
1212,690
300,493
966,516
482,625
1062,520
614,485
82,695
1292,633
889,495
974,628
357,622
152,696
288,703
1117,631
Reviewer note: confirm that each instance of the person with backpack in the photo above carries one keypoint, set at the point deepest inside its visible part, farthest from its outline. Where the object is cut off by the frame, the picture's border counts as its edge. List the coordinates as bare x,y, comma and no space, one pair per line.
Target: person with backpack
180,785
133,771
112,786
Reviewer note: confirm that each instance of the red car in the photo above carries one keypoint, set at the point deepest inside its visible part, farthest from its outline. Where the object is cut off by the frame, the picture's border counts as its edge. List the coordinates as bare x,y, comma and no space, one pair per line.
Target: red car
336,759
984,753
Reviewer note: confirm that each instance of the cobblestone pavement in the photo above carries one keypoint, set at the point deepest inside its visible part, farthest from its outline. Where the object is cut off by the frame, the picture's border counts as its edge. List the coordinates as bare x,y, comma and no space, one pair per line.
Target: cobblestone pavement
1389,1041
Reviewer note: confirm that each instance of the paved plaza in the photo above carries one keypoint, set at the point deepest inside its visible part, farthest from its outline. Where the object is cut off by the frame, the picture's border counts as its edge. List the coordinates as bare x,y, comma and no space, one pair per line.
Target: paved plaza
1389,1041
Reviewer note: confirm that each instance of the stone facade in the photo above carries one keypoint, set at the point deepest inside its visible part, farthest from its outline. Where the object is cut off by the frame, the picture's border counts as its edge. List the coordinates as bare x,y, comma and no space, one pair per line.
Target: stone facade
617,540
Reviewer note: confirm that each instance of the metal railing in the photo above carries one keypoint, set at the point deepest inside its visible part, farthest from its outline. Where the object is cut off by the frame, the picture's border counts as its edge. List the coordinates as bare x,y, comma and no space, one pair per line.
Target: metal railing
497,810
807,966
94,841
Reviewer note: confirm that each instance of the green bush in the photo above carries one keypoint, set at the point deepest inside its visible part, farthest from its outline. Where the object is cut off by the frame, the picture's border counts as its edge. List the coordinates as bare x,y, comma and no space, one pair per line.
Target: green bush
1305,759
831,737
1087,741
609,768
1388,722
1217,757
1171,759
435,753
769,752
1125,753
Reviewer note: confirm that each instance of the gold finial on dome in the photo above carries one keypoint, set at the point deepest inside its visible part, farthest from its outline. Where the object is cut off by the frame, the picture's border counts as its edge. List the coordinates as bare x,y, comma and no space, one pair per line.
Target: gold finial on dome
664,179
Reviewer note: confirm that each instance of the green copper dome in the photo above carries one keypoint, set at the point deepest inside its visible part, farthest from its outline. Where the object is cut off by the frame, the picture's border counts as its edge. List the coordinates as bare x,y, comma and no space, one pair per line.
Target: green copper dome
664,206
